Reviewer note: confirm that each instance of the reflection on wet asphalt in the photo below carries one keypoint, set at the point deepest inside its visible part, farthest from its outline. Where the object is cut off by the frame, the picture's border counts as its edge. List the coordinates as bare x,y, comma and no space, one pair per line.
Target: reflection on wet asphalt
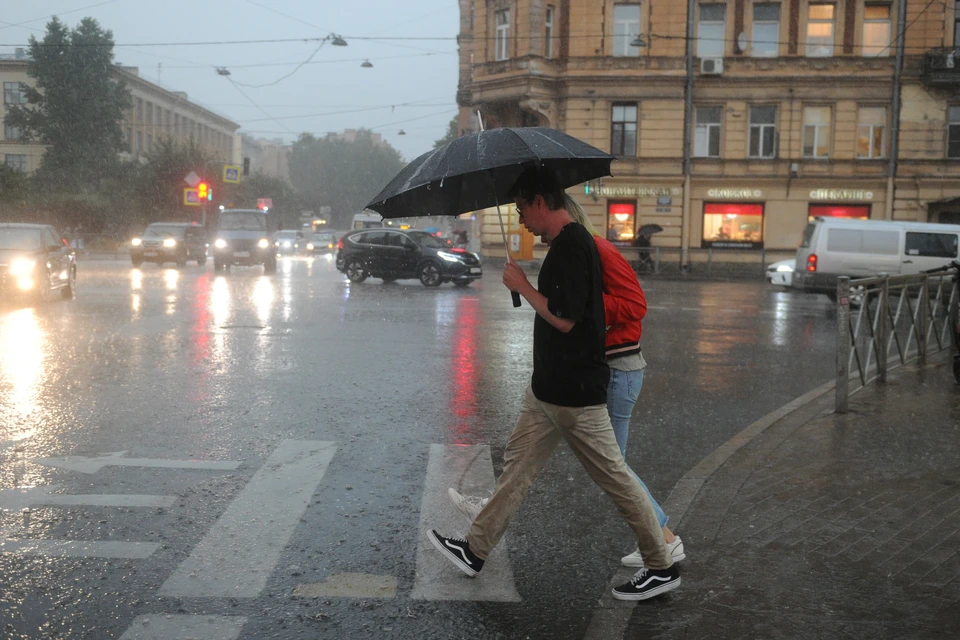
188,364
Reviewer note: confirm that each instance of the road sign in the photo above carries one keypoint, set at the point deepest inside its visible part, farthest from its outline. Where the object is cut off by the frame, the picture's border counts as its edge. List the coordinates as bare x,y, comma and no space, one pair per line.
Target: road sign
192,179
191,197
231,173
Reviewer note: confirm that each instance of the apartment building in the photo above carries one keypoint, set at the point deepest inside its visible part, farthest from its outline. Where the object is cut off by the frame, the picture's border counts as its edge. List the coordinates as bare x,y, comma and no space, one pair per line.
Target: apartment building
155,113
792,110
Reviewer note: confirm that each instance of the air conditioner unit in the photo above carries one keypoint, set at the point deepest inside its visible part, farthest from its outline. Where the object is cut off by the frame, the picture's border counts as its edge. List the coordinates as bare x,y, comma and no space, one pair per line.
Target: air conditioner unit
711,66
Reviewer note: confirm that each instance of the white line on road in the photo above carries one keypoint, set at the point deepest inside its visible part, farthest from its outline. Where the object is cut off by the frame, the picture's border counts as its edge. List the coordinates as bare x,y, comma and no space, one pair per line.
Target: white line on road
84,464
79,548
240,551
184,627
23,498
468,469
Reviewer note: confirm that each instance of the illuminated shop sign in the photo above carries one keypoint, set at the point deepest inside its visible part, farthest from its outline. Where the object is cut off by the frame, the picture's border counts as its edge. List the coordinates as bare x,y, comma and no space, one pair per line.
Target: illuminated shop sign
636,192
838,195
734,194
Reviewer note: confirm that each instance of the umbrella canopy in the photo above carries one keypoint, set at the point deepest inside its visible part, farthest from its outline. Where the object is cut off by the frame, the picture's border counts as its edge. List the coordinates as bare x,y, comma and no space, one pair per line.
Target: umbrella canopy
476,171
649,229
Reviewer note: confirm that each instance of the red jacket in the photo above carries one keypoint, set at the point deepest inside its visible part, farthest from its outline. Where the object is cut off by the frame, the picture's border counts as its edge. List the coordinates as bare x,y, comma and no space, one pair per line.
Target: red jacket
624,304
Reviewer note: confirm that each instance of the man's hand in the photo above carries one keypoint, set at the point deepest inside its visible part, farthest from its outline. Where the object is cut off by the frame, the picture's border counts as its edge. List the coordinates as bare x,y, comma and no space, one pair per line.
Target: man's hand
515,279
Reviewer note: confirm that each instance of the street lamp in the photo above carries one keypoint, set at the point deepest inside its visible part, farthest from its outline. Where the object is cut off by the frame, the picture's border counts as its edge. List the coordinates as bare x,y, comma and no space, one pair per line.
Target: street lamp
638,41
337,41
367,64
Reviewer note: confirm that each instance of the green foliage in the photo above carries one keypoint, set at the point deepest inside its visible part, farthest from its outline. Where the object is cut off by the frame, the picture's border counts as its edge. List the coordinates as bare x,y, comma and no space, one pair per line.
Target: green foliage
453,132
342,175
75,107
161,182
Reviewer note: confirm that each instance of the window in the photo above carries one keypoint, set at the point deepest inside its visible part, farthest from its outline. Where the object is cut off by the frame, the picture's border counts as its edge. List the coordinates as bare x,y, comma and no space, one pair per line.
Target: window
816,132
139,110
623,136
763,132
620,221
14,93
931,245
502,35
159,121
956,25
706,136
11,133
149,142
372,237
149,113
820,30
129,140
766,30
626,27
858,241
711,31
876,30
139,141
953,132
732,225
854,212
548,35
870,132
16,161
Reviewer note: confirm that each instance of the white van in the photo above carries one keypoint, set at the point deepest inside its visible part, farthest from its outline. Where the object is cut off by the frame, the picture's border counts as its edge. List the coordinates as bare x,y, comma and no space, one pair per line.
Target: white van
367,221
833,247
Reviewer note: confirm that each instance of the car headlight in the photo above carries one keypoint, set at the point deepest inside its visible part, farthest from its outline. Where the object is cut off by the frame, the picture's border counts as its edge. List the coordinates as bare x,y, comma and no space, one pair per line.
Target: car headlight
330,246
22,266
136,242
449,257
309,246
286,245
220,243
784,268
264,243
169,243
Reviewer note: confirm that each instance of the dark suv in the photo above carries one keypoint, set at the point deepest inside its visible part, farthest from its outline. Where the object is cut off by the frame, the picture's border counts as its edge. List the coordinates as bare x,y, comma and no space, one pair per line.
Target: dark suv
243,237
394,255
170,242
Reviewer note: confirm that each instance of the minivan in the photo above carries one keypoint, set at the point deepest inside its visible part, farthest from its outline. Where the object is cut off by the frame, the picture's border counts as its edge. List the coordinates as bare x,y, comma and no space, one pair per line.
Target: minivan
833,247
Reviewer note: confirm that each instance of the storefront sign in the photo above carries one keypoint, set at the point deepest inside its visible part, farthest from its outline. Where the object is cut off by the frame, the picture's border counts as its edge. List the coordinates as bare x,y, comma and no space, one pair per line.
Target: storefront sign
734,194
838,195
637,192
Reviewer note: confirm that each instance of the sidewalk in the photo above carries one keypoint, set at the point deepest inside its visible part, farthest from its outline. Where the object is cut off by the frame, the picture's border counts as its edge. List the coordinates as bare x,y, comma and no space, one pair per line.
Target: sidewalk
828,526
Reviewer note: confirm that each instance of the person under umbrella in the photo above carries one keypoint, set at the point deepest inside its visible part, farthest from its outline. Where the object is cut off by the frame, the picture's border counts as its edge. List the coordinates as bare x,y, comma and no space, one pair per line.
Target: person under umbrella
567,394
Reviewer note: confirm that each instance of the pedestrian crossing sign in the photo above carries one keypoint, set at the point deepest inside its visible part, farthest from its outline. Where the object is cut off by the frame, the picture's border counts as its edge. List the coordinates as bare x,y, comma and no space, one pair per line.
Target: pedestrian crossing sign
191,197
231,173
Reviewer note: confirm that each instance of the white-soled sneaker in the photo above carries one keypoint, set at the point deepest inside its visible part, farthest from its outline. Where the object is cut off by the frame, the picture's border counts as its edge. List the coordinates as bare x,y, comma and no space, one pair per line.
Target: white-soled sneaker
674,548
648,583
469,506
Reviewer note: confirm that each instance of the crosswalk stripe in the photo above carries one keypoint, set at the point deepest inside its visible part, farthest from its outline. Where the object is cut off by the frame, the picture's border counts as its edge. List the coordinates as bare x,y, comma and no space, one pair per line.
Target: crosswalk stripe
469,469
240,551
79,548
184,627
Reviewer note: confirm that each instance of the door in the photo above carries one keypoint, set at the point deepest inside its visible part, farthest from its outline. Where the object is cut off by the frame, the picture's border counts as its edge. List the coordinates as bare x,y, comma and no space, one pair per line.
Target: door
924,250
392,253
371,246
410,256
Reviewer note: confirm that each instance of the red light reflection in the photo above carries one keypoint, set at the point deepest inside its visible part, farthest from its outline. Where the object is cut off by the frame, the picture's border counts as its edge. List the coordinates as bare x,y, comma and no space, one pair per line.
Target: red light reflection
464,369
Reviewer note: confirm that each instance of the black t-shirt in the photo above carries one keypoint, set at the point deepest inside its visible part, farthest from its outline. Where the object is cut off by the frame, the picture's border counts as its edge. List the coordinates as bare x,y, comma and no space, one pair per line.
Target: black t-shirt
569,369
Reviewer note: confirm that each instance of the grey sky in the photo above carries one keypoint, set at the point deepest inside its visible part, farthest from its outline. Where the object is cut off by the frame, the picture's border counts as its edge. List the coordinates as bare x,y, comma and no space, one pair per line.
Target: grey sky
406,71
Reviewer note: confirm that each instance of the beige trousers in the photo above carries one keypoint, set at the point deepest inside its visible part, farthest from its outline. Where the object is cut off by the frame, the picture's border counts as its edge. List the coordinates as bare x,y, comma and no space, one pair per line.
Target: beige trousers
587,430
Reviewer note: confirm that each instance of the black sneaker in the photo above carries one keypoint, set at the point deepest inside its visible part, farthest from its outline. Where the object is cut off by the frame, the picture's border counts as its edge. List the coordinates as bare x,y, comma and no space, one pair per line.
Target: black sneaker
458,551
648,583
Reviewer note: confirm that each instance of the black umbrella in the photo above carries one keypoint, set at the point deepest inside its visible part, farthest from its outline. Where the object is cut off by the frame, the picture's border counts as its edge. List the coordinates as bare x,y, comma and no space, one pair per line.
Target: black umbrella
476,171
649,229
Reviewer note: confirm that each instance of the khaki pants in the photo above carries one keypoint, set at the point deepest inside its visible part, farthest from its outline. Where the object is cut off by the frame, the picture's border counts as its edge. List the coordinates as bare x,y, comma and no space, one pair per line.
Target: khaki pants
588,432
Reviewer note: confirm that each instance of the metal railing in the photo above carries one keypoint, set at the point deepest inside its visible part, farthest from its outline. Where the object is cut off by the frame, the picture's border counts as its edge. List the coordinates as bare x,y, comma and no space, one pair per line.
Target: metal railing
711,263
887,321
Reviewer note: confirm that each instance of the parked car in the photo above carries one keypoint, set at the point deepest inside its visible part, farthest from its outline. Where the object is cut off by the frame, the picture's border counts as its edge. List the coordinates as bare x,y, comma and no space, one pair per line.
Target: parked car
170,242
323,242
242,238
289,242
781,273
833,247
395,255
35,261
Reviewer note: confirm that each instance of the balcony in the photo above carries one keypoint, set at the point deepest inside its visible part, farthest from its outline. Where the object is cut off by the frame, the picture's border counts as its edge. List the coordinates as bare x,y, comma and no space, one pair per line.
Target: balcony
942,67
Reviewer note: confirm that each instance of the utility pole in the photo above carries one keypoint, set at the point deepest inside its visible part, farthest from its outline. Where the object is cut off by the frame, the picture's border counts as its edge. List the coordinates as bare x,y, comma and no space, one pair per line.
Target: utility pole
895,116
687,119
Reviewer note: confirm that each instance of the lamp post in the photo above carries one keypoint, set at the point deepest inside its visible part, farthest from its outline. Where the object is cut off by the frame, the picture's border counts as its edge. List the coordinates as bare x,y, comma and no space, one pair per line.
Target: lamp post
687,116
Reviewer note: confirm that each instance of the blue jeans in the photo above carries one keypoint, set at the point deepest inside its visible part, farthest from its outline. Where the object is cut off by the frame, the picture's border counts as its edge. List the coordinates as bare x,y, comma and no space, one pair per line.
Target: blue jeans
622,394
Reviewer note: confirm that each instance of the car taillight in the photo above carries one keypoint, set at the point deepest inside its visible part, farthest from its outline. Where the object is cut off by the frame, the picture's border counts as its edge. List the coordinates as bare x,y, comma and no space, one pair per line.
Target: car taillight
812,262
340,243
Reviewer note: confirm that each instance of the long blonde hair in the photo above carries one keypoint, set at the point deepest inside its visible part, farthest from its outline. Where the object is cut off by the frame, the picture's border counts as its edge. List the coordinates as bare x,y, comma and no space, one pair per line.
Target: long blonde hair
576,212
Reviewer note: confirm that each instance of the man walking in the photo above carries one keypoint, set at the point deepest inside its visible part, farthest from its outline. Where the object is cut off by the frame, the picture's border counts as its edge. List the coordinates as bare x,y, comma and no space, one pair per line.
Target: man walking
567,395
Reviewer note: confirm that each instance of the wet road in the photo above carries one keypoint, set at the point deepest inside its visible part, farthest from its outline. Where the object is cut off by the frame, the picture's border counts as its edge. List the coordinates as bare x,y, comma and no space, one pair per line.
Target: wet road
271,448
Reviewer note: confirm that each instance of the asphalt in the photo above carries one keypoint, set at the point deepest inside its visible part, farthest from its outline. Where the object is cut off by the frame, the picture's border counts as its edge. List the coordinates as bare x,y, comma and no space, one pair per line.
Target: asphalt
814,524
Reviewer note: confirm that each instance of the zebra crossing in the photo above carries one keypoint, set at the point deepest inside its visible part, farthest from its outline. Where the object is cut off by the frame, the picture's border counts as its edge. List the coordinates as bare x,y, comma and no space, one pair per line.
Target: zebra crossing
241,550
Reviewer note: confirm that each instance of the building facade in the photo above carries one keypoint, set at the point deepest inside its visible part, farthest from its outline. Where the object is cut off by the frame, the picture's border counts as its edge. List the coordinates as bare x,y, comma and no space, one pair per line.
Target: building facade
792,110
155,114
270,157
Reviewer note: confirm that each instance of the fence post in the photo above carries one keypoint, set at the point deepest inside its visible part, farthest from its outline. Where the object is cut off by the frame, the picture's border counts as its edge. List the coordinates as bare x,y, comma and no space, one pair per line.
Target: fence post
709,262
954,309
656,260
882,331
843,343
763,261
923,310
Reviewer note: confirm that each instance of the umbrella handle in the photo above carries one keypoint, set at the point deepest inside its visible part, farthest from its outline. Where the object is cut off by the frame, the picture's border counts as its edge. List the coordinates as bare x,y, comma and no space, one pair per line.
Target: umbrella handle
516,298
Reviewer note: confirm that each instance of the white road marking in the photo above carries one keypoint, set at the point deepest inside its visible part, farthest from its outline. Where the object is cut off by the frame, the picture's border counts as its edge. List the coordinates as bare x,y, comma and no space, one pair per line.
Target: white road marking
84,464
350,585
469,470
23,498
184,627
240,551
79,548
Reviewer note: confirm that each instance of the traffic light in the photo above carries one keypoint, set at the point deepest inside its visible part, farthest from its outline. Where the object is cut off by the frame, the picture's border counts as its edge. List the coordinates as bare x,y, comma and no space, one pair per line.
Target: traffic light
204,192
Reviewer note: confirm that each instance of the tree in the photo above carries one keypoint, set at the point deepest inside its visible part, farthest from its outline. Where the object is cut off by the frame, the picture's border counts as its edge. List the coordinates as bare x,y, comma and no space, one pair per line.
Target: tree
453,132
75,108
340,174
161,182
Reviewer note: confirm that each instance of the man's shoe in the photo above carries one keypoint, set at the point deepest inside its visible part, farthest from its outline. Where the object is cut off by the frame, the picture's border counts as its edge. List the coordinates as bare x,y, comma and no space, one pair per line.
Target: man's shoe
648,583
469,506
458,552
675,549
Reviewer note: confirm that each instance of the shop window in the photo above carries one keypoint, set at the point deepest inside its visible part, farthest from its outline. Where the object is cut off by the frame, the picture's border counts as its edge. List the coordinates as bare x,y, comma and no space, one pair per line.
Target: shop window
854,212
621,217
766,30
931,245
732,225
820,30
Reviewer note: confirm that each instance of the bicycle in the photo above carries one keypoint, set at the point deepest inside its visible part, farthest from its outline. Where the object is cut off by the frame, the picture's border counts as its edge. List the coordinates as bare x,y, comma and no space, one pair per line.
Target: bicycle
953,313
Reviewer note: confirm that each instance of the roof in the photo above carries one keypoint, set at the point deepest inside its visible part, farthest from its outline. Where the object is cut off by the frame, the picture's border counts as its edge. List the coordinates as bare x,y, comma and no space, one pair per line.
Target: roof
22,225
889,224
175,224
